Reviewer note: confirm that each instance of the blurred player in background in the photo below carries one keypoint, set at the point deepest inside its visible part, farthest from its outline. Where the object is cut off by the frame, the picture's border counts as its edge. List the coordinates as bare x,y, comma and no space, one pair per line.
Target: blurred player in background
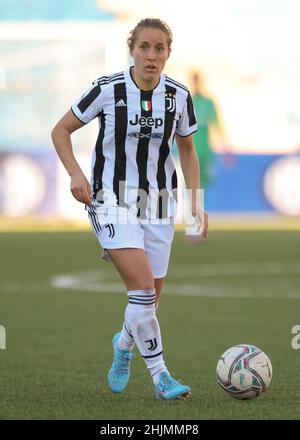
210,129
131,199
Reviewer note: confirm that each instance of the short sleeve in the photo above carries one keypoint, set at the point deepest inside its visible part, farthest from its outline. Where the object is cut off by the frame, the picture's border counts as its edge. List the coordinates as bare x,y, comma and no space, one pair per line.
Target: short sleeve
187,123
89,105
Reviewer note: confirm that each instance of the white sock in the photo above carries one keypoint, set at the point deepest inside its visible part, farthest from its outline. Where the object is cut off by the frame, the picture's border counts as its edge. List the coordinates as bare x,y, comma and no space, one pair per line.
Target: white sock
126,341
145,329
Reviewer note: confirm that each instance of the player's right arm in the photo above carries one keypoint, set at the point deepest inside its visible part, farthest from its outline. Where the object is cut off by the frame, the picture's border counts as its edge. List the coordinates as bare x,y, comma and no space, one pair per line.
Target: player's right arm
61,136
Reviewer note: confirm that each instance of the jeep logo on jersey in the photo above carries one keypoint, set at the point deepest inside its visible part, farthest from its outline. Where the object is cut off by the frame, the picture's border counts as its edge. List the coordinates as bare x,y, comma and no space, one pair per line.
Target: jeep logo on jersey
147,122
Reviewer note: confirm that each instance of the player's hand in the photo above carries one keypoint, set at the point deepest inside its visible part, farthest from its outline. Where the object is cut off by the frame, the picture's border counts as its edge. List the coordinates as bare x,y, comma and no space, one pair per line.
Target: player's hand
201,218
80,188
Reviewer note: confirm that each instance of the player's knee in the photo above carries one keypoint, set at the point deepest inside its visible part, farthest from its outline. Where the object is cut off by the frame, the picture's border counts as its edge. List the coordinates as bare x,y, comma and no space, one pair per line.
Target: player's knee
147,285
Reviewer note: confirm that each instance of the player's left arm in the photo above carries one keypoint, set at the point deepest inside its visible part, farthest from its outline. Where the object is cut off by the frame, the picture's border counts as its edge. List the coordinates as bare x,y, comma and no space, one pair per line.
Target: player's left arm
191,172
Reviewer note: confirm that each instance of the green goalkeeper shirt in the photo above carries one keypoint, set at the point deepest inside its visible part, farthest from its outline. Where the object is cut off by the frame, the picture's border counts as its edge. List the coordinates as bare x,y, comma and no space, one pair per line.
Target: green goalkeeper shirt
206,115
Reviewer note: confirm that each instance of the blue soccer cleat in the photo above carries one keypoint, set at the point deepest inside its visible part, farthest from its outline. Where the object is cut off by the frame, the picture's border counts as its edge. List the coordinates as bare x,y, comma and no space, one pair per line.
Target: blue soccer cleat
118,375
168,388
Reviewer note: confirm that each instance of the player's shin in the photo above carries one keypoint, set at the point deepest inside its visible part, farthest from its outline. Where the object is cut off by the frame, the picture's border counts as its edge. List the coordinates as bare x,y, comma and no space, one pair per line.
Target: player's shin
145,330
126,341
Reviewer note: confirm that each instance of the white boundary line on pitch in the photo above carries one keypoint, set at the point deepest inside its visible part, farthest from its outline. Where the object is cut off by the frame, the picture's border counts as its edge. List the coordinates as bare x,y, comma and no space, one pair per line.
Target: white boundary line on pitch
105,282
73,284
180,281
208,270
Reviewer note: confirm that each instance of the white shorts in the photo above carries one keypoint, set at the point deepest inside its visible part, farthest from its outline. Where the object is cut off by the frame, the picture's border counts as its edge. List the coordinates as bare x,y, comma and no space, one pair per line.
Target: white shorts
118,228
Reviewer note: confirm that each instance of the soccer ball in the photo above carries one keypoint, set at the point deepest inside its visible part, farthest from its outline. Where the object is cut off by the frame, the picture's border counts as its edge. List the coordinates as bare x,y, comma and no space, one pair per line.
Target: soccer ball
244,371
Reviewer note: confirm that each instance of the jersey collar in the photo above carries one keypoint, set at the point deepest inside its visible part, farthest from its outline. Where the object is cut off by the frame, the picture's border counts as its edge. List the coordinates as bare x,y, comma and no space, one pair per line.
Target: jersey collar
132,83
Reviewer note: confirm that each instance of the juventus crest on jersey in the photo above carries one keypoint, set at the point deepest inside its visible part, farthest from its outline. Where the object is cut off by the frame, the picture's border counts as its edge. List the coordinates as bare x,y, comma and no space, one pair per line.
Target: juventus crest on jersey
132,163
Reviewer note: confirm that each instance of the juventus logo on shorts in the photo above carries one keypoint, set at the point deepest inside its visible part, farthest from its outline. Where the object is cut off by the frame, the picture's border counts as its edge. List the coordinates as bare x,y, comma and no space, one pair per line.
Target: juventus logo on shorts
111,229
153,344
170,102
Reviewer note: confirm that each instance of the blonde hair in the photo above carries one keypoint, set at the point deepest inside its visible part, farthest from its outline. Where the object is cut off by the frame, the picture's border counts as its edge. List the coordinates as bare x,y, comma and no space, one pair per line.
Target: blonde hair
154,23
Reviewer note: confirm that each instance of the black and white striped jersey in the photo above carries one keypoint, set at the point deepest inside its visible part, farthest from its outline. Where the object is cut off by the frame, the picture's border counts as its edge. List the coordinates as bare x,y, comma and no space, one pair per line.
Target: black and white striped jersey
132,164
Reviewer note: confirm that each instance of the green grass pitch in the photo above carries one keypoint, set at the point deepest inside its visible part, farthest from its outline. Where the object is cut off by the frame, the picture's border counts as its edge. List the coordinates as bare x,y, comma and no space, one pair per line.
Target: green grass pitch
60,306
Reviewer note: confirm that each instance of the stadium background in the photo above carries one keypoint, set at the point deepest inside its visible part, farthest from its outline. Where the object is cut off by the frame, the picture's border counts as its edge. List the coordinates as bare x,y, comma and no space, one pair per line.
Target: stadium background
242,285
51,51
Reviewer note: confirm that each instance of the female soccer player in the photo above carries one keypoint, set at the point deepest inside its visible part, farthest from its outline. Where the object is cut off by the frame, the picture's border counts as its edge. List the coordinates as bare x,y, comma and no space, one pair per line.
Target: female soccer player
131,201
